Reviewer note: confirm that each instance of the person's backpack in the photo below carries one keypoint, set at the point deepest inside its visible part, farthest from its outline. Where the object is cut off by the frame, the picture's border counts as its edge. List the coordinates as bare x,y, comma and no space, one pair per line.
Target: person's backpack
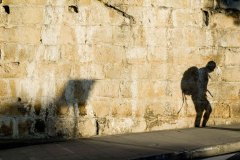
189,84
189,81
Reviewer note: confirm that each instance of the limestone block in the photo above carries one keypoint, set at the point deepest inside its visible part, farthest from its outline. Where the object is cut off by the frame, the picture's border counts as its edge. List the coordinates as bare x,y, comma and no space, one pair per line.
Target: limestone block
13,70
6,127
87,127
26,53
158,71
228,38
235,109
67,35
231,74
13,88
118,71
154,109
13,107
50,34
221,110
116,126
32,15
172,3
56,2
24,127
232,58
3,18
121,35
156,36
135,14
122,109
186,18
101,18
4,91
18,2
140,71
63,71
192,37
102,108
116,18
139,125
106,88
88,71
134,2
22,35
156,17
107,53
80,34
140,110
193,56
99,34
174,90
126,89
222,21
51,53
228,91
202,4
114,2
136,55
62,110
84,2
12,52
9,52
139,36
157,54
69,52
151,89
46,72
53,15
60,87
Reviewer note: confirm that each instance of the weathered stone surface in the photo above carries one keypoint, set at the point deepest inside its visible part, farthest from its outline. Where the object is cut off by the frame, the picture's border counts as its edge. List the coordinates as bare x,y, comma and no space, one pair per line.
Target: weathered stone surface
88,67
186,18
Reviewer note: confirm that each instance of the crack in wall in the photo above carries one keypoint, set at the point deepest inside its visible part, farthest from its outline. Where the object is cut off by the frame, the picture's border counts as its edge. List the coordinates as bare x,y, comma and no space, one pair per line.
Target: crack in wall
124,14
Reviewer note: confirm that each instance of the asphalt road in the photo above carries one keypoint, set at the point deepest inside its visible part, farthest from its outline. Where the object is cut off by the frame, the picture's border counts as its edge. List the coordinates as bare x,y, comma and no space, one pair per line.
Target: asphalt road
232,156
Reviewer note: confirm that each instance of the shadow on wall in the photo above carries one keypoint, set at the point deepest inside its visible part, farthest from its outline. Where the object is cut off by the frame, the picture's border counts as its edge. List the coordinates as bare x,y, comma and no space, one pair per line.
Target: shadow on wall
230,8
22,119
75,96
194,83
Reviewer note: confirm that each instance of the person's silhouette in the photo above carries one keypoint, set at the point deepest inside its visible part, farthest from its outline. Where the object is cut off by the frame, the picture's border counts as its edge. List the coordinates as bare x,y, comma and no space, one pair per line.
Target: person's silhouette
199,98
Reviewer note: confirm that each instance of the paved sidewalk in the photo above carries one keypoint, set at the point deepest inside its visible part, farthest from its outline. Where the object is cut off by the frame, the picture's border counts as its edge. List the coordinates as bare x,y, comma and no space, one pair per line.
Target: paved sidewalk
171,144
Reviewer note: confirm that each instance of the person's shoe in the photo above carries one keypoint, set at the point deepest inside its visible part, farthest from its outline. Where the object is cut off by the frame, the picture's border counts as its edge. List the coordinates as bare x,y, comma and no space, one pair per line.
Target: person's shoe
197,126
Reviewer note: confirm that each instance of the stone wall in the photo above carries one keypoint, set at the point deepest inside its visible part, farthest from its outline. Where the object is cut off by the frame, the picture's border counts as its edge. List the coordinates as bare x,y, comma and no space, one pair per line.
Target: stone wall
98,67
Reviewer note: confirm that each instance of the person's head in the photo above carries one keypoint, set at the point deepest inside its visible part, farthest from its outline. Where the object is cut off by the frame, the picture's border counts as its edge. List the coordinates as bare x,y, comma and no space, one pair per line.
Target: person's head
211,65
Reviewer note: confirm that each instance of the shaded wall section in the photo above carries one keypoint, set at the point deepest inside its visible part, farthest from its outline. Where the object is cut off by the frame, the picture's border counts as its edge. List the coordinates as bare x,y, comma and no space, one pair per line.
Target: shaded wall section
101,67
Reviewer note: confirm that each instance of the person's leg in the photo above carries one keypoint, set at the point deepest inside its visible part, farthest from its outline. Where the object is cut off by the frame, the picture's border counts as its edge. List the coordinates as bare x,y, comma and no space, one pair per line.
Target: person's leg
198,117
208,111
199,111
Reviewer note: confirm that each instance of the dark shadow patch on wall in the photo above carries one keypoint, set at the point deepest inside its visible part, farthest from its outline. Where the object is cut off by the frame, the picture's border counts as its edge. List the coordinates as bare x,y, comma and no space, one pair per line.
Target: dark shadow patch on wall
7,9
38,119
194,83
73,9
230,8
75,94
205,17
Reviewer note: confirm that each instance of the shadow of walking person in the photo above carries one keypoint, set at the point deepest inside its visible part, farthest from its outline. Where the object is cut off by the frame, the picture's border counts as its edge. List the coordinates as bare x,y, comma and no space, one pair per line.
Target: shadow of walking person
194,83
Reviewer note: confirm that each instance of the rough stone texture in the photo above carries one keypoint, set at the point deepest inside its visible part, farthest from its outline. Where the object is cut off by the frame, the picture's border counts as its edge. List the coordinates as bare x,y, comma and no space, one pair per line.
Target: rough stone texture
97,67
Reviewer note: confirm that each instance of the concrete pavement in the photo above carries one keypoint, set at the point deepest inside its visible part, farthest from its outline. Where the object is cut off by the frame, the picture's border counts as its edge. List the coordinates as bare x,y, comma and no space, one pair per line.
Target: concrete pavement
172,144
